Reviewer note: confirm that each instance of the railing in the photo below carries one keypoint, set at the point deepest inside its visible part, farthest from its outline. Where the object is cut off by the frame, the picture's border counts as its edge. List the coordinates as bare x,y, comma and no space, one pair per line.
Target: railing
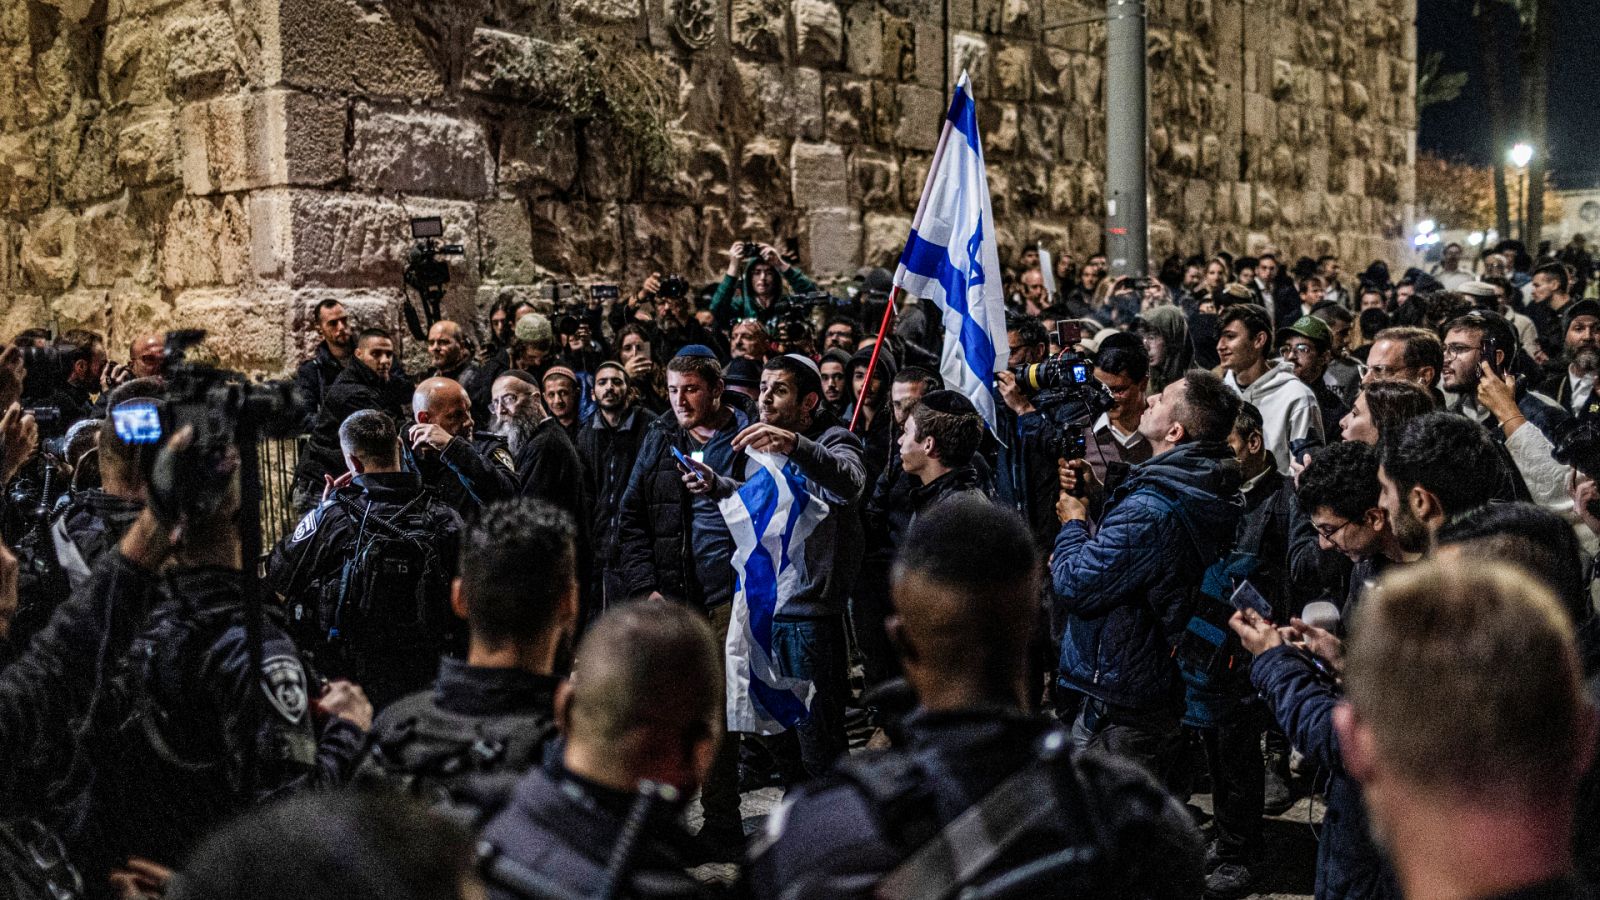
278,457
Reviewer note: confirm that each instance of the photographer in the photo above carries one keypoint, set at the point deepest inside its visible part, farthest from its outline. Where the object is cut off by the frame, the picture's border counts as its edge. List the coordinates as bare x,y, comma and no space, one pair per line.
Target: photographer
647,379
1127,588
465,469
80,362
757,278
349,611
1026,476
186,729
1122,365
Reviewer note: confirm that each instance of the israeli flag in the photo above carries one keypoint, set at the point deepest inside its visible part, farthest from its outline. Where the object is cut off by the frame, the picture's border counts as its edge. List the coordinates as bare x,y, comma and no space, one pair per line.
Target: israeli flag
951,258
770,517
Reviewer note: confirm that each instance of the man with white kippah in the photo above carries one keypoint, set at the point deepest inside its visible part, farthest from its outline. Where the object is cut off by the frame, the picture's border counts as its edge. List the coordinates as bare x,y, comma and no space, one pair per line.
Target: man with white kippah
808,639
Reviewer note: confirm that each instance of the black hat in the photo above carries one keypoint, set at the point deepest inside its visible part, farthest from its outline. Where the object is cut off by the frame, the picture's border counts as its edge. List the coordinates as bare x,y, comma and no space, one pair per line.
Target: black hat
951,402
742,372
1583,308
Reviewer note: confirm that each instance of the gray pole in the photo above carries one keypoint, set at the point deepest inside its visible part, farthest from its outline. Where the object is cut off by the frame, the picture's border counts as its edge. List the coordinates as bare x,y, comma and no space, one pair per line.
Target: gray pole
1127,231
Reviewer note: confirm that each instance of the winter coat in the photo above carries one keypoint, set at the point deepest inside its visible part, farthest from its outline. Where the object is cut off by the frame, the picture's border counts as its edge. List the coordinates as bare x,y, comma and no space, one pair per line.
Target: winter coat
730,303
1128,589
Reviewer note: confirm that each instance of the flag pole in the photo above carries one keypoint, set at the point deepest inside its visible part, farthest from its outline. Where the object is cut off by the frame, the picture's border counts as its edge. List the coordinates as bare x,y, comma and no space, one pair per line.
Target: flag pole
872,364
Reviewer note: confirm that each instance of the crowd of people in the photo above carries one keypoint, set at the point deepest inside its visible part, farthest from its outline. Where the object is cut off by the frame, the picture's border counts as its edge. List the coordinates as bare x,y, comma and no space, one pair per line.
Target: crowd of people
1292,533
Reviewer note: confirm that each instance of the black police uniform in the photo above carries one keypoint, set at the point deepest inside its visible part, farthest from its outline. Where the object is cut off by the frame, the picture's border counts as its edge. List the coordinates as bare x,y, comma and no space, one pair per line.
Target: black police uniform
356,388
837,837
562,828
468,474
468,738
85,528
190,731
307,569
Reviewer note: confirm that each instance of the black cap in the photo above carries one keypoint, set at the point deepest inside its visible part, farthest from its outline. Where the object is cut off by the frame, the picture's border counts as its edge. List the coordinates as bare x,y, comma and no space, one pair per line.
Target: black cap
1583,308
952,402
742,372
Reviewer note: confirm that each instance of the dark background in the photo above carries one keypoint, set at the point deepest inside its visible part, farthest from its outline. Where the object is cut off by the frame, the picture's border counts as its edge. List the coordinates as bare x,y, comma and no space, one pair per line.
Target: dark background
1460,128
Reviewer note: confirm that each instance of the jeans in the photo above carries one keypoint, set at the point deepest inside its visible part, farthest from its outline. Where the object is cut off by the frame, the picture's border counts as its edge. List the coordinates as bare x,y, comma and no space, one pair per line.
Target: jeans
815,649
720,794
1151,738
1238,781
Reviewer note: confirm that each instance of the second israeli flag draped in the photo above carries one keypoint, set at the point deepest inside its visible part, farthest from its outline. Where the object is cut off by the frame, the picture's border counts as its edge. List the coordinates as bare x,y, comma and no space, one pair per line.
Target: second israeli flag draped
952,259
770,516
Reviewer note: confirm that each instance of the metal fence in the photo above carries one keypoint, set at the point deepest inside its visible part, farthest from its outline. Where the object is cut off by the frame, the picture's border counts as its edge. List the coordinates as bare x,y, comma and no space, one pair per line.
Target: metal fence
278,457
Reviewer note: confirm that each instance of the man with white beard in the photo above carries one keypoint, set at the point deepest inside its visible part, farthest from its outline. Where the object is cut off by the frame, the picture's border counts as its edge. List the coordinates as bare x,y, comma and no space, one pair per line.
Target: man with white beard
547,463
1582,355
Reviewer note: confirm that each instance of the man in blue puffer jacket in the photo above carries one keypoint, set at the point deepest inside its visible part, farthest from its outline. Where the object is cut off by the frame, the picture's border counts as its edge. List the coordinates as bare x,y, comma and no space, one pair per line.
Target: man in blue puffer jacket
1128,588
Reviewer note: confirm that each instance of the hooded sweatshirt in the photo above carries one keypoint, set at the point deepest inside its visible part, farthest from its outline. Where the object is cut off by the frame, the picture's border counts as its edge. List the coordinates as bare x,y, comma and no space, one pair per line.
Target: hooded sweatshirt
729,303
1289,409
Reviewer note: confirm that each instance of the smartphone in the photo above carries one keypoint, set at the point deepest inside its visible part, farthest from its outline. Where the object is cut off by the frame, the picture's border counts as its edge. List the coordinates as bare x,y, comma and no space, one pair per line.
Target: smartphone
684,461
1245,596
137,422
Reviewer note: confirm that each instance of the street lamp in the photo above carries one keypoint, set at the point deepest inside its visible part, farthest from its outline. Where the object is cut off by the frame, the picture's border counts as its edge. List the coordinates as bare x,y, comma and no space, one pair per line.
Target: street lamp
1521,154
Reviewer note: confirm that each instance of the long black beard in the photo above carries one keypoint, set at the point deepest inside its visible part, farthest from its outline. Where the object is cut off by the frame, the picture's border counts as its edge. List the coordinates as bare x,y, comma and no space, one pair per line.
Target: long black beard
517,430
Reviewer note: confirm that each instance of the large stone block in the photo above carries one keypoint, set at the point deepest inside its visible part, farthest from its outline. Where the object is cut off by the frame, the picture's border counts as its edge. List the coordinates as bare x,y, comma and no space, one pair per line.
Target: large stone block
884,237
606,12
874,180
204,55
207,241
147,151
805,92
24,171
244,327
85,308
820,176
660,237
420,152
50,250
83,156
133,65
831,244
505,242
116,241
818,32
607,169
847,103
863,38
538,156
21,311
271,138
310,238
921,110
135,310
577,240
505,64
351,47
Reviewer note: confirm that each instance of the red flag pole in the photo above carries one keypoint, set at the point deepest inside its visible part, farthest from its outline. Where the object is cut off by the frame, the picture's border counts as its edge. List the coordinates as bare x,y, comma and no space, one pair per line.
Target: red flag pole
872,364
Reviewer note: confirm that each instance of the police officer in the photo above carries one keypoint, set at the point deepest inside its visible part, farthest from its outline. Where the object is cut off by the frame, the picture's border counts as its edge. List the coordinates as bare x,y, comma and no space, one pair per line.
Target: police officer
211,708
641,710
465,469
366,574
494,712
964,587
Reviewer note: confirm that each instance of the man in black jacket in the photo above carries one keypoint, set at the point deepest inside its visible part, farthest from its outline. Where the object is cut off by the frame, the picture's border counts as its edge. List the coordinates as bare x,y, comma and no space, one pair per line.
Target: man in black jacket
677,546
385,633
365,383
518,591
450,349
333,355
465,469
643,705
608,445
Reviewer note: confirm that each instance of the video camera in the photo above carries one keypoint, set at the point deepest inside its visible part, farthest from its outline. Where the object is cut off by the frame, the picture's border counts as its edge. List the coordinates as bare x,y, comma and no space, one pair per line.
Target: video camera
1065,390
224,409
426,273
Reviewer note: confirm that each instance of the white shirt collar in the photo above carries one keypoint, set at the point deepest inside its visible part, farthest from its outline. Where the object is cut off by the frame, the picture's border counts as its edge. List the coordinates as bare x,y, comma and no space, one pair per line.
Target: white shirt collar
1104,423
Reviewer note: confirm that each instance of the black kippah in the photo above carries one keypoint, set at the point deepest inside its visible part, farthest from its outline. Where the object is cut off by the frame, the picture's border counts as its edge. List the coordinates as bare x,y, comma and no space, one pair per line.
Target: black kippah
951,402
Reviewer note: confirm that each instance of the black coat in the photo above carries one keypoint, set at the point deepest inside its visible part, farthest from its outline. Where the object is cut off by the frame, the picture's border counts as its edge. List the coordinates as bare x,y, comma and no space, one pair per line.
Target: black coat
468,474
356,388
317,374
608,456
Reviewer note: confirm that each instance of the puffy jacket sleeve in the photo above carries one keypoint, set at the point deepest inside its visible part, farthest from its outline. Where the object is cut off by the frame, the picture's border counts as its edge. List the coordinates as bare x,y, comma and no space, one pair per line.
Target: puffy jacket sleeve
1302,702
722,300
1096,574
634,528
798,281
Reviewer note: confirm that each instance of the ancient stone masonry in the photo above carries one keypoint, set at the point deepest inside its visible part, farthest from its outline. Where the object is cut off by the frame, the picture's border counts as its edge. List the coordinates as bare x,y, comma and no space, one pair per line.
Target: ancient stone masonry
227,163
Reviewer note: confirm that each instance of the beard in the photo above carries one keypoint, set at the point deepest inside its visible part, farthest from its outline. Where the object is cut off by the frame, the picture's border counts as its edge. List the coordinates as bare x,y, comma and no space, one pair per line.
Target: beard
517,429
1409,531
1585,359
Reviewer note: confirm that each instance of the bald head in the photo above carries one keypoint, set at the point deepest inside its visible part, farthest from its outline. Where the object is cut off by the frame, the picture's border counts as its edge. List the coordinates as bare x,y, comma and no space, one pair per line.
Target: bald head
643,698
965,585
442,402
447,347
145,354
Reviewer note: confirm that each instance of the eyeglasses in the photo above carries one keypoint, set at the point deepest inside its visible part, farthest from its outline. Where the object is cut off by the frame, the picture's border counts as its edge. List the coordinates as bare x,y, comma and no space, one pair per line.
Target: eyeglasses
1380,371
1298,350
1328,533
1453,350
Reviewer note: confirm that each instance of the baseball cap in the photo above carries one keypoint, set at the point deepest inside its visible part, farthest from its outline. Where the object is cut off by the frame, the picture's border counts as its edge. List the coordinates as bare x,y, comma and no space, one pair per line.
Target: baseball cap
1311,328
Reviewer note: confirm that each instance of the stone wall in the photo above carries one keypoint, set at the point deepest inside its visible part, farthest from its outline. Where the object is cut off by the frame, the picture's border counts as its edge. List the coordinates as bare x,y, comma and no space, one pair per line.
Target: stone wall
227,163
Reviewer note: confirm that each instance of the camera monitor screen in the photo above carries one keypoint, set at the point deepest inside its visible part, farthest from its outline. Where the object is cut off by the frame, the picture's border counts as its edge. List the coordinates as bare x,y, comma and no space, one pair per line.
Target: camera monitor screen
137,422
428,227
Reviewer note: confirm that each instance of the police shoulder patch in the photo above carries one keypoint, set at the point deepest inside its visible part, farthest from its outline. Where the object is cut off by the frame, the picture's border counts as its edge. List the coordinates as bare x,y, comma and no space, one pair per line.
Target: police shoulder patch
503,456
284,680
308,525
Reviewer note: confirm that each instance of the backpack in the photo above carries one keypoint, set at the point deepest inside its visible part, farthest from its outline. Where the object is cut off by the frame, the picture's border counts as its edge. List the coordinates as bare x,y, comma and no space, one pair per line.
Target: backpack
1034,835
463,765
393,591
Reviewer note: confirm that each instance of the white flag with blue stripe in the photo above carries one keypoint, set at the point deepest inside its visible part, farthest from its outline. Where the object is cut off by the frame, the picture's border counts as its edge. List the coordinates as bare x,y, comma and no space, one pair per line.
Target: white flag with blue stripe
952,259
770,517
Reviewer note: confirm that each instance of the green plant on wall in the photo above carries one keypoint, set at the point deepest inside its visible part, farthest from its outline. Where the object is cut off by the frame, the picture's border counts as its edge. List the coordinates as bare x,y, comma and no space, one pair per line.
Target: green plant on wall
617,84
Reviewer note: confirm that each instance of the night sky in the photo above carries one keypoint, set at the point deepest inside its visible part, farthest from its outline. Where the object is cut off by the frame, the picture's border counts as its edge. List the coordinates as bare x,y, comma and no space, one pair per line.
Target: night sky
1461,128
